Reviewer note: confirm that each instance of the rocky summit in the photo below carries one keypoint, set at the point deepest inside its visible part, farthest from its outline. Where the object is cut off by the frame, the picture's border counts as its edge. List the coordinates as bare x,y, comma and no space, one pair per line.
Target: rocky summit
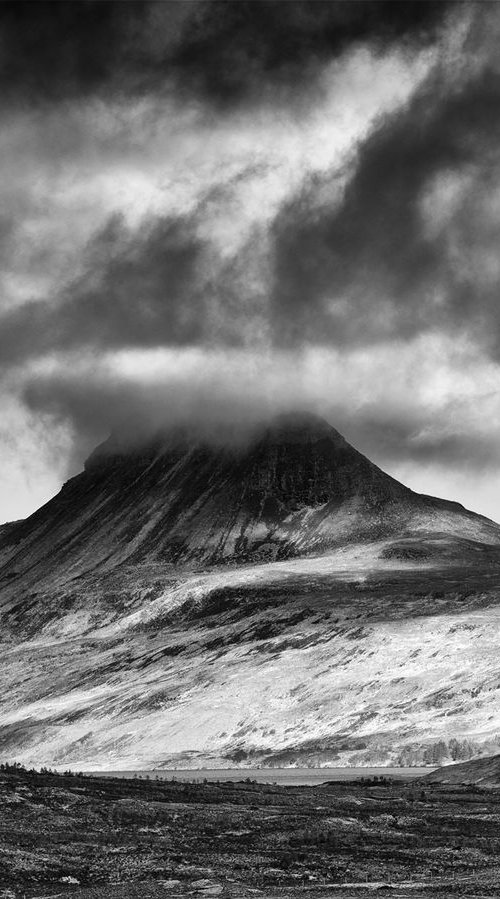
275,601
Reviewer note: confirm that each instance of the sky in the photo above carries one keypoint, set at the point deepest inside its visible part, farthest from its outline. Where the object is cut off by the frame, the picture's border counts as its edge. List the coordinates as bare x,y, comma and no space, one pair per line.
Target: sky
212,212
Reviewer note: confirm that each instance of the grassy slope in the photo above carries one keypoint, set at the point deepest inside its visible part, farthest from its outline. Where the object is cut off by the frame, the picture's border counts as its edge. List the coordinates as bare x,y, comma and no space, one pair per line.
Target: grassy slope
344,659
485,771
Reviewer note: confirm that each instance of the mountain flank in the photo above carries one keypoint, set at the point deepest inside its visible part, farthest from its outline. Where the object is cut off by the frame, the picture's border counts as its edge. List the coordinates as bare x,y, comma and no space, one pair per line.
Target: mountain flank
277,602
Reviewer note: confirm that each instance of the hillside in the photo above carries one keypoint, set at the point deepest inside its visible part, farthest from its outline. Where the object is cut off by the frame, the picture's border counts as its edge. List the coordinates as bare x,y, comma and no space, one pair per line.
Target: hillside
279,602
484,772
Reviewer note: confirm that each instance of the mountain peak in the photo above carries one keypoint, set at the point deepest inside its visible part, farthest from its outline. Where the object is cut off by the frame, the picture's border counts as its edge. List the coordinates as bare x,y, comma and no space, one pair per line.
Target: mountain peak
296,487
302,427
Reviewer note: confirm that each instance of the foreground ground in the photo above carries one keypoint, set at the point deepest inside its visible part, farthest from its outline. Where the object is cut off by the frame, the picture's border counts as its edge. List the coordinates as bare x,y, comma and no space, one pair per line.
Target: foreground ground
102,838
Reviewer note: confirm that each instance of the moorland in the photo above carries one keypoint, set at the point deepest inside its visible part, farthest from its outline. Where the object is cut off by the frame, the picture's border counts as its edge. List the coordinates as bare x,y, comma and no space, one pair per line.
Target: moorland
107,838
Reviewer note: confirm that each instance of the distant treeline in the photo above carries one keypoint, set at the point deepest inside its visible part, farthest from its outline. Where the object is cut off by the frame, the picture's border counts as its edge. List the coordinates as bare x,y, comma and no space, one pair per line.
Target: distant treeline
17,768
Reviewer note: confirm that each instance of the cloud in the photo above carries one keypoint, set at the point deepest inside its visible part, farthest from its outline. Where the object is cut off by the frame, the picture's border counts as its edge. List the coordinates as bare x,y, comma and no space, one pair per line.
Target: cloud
423,401
411,245
34,450
222,53
426,410
123,248
160,286
212,212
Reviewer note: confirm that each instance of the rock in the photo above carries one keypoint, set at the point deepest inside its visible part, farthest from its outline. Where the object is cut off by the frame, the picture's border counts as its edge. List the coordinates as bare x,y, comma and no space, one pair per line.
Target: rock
208,887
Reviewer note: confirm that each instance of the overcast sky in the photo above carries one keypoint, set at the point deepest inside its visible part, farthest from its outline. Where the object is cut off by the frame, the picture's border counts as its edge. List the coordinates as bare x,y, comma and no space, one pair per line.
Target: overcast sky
223,210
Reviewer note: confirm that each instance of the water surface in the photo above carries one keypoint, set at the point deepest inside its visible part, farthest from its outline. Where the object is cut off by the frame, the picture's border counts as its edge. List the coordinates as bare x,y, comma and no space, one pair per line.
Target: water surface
282,776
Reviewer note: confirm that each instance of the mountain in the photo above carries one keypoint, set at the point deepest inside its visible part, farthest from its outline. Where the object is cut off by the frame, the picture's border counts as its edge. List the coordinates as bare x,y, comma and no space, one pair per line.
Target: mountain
274,601
297,488
484,772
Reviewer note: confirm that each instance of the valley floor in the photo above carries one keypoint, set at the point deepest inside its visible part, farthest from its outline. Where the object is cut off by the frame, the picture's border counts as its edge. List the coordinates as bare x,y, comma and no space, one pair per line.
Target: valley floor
106,838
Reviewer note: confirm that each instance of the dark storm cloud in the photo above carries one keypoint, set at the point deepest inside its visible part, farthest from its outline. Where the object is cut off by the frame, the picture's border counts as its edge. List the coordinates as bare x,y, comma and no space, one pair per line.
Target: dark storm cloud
156,285
368,269
414,436
161,284
344,274
137,289
225,52
233,48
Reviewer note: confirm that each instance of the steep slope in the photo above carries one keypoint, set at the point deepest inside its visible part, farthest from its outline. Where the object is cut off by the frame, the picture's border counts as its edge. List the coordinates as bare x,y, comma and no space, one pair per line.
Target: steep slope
283,602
